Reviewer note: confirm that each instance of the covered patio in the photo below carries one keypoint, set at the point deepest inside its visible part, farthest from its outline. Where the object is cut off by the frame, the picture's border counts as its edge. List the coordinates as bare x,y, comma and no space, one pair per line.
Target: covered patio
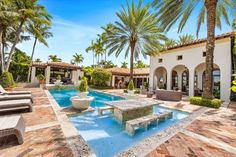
70,74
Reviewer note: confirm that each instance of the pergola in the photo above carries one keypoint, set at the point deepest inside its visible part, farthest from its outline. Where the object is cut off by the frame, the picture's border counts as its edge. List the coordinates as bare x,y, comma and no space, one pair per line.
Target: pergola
122,75
69,73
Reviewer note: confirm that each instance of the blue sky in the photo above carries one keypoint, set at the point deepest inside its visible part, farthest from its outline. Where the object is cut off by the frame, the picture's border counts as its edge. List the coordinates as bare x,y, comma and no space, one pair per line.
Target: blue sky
77,22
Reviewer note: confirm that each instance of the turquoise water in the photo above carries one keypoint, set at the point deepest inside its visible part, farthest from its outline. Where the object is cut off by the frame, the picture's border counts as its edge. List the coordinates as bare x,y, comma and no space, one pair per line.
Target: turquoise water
105,136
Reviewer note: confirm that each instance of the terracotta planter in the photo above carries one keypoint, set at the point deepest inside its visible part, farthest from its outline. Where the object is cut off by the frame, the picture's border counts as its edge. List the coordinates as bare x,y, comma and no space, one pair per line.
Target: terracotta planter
9,88
41,81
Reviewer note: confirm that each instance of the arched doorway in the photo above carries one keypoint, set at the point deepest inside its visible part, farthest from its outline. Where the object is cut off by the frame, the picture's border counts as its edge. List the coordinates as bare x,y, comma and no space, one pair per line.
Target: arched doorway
160,77
174,80
200,78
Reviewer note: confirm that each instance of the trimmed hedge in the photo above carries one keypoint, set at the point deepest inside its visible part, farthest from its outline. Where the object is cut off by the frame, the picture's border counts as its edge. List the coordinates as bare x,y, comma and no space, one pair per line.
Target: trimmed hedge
100,77
214,103
6,80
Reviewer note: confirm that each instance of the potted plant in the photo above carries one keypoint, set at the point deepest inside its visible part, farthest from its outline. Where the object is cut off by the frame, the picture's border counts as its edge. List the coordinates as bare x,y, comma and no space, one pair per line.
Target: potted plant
58,78
41,78
83,88
6,80
131,87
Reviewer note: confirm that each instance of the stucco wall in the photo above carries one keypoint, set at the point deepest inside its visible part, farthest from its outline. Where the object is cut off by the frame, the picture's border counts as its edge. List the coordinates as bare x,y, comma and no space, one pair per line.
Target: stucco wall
192,57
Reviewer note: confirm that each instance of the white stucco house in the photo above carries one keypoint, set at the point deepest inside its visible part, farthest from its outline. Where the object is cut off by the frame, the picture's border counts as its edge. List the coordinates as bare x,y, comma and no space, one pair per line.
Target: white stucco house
182,67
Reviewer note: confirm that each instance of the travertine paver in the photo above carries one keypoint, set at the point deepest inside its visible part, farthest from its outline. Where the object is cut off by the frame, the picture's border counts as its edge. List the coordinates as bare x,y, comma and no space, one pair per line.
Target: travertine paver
43,137
182,145
212,134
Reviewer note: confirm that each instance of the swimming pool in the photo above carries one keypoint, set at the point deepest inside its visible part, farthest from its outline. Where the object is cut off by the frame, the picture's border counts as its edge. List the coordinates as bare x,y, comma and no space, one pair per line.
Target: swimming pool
105,136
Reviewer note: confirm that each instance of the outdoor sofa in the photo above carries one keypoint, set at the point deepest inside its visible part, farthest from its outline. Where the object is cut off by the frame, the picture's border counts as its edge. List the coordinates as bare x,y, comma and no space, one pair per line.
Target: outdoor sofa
11,105
168,95
12,125
3,91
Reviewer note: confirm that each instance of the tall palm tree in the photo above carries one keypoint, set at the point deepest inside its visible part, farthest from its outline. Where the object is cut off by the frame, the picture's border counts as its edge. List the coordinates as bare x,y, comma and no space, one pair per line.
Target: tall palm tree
44,34
54,58
213,11
38,60
137,32
28,13
92,48
124,65
183,39
77,58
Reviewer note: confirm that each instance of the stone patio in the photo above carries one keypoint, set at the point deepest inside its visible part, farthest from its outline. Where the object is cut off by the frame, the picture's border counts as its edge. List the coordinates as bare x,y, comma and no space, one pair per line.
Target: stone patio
207,133
43,137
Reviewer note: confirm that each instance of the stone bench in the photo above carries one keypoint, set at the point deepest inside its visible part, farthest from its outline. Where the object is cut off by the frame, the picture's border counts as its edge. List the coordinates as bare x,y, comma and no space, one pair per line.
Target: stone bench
143,122
106,108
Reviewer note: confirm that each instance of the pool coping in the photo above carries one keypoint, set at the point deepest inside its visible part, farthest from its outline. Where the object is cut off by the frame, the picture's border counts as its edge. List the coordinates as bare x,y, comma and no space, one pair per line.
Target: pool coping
140,149
76,142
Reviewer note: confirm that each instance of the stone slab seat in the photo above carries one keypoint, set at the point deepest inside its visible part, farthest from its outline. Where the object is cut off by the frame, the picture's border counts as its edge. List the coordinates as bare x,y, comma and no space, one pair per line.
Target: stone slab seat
11,105
4,97
168,95
12,125
3,91
143,122
105,108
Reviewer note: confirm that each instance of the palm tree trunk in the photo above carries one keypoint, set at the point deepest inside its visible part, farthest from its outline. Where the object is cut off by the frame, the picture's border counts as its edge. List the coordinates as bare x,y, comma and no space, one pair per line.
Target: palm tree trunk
14,45
210,45
132,45
31,59
1,50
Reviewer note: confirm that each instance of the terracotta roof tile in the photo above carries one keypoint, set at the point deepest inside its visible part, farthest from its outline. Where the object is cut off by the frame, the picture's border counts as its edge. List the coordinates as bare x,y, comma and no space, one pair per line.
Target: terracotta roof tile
126,71
56,64
198,41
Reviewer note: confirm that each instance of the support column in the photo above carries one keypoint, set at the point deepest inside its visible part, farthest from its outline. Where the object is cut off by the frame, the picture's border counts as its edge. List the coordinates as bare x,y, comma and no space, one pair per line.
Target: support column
113,81
179,73
75,76
169,79
33,72
47,74
191,82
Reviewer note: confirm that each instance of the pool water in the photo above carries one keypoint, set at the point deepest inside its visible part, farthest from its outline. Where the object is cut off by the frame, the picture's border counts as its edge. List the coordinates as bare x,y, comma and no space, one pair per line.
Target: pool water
105,136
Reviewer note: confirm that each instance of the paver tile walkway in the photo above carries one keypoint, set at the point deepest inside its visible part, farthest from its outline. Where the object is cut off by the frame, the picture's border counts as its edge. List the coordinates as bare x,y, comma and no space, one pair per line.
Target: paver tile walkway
43,137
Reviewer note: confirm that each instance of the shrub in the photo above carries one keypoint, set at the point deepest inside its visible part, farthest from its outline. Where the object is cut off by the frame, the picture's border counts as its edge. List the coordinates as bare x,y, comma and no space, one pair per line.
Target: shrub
59,77
6,80
100,77
83,86
125,91
131,85
137,91
215,103
40,77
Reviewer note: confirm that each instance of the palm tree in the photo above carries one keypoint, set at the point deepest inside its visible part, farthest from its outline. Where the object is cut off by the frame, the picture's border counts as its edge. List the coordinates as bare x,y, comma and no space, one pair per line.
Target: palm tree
38,60
124,65
91,48
44,34
140,64
29,12
77,58
172,11
170,42
183,39
137,32
54,58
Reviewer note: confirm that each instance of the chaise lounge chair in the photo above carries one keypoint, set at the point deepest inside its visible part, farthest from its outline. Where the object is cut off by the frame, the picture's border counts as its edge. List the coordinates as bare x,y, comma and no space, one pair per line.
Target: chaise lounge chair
12,125
3,91
15,97
11,105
